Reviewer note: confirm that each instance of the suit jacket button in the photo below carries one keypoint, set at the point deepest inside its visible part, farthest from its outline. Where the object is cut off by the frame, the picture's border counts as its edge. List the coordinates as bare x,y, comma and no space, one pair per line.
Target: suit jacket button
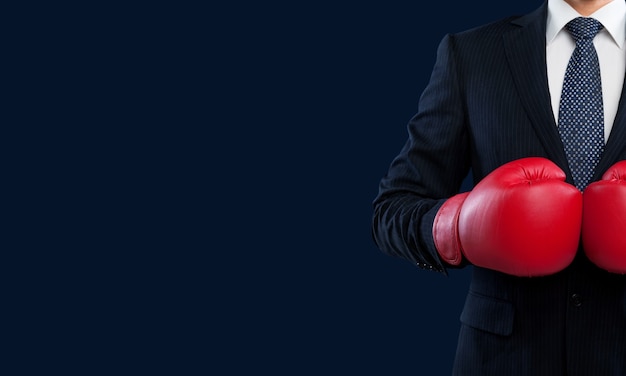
576,300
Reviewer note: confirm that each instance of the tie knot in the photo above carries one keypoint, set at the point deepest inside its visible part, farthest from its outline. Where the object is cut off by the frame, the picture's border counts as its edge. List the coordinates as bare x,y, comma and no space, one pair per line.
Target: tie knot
584,28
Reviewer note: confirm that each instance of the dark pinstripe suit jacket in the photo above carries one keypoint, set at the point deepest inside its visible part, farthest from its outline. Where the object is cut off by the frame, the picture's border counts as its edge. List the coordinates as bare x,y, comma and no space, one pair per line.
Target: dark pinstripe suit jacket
487,104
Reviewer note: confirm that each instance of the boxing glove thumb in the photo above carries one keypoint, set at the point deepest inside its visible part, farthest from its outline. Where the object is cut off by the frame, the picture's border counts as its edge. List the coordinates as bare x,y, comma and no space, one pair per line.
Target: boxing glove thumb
604,220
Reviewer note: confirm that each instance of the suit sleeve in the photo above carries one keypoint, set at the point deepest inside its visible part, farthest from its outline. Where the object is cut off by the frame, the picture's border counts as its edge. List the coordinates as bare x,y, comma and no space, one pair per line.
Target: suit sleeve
429,169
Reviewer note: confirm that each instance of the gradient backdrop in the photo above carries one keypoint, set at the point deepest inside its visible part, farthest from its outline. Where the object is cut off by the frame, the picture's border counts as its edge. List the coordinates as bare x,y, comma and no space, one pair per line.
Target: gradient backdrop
316,98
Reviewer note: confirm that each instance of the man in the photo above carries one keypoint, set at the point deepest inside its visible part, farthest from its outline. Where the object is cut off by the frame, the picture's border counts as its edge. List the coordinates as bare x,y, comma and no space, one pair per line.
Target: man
534,107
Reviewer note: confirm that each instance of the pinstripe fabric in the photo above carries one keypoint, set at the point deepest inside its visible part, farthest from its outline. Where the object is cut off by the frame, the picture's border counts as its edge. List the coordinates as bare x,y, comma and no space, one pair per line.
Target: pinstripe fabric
488,103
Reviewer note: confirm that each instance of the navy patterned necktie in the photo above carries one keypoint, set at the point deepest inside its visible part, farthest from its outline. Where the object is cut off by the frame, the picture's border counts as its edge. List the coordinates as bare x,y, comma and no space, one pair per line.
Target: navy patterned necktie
581,114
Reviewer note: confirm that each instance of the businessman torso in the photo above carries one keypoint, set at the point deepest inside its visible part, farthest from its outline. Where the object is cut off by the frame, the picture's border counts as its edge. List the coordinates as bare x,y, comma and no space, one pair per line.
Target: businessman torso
488,100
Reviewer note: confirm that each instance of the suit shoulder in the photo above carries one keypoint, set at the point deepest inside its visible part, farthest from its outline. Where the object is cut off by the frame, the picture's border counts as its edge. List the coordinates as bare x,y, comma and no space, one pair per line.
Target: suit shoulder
493,28
479,44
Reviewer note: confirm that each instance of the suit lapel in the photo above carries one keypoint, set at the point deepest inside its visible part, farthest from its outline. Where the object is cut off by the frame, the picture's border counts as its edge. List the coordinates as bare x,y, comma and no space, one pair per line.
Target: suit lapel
615,145
526,53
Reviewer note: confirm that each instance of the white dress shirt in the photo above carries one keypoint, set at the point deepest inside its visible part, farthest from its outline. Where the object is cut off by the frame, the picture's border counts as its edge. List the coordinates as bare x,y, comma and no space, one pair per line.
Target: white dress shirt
609,44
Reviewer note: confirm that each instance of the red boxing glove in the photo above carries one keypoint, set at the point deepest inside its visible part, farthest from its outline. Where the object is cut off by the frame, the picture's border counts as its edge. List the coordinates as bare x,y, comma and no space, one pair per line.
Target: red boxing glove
604,220
522,219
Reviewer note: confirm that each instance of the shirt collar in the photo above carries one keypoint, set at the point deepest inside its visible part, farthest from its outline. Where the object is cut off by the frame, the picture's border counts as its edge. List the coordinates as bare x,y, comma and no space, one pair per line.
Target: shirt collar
612,16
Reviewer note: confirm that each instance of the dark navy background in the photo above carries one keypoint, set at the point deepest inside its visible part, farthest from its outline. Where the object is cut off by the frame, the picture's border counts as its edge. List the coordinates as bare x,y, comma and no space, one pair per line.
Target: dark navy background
318,97
198,200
